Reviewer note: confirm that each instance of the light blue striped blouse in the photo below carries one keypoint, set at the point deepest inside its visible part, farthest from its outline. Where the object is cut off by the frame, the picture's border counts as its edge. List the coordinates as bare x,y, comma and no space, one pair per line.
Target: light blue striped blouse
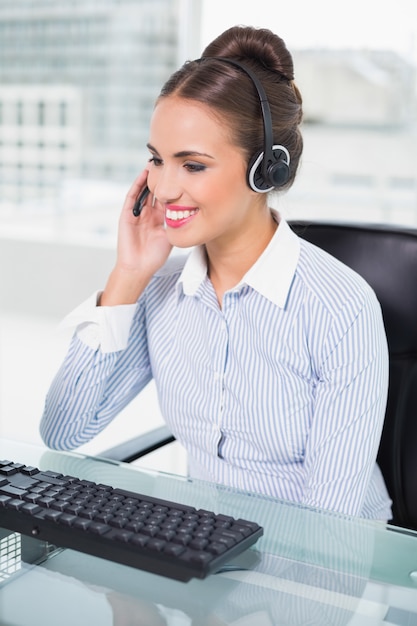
282,391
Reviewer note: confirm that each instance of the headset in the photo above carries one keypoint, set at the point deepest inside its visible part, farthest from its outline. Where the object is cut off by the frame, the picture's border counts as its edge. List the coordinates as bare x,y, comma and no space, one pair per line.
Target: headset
270,167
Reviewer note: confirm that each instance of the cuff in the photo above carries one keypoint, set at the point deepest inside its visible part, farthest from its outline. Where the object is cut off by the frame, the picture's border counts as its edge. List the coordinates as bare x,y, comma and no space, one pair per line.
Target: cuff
106,327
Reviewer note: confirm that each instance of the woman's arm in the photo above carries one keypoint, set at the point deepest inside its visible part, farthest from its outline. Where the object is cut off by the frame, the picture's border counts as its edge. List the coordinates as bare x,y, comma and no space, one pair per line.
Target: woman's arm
92,386
100,374
349,410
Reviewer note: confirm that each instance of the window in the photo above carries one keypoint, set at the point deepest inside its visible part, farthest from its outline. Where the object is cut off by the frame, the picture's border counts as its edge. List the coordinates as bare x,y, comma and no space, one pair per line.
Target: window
77,103
19,113
63,113
41,113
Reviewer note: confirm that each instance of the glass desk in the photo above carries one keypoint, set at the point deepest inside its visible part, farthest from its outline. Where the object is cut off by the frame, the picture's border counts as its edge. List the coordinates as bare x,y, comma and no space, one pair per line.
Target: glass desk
310,568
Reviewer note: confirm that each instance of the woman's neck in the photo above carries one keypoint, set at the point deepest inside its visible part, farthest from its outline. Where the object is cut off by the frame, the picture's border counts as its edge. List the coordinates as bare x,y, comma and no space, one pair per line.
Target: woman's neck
228,263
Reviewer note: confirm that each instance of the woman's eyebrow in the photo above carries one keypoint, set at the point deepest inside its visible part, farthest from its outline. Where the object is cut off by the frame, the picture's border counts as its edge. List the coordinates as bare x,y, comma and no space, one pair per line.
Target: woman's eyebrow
183,153
151,148
191,153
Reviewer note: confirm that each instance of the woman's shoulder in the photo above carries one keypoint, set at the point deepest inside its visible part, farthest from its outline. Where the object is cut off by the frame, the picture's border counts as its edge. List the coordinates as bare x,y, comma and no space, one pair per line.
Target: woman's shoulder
329,280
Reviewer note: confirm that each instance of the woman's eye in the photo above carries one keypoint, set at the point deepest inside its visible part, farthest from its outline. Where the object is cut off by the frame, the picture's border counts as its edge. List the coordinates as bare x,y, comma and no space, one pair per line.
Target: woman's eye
195,167
155,160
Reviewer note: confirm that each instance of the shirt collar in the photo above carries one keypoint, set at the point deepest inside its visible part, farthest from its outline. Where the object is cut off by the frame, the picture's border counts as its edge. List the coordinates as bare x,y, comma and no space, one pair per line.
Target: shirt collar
271,275
194,271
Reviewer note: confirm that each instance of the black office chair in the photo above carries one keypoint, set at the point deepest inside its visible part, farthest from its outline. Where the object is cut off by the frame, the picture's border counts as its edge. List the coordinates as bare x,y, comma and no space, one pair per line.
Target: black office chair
386,256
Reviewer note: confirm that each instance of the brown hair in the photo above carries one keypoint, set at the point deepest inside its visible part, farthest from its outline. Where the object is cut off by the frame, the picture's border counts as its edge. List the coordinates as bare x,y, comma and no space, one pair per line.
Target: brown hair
227,90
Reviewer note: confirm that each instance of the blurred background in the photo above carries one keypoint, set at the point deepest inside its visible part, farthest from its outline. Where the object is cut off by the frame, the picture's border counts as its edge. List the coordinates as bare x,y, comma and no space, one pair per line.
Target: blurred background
78,80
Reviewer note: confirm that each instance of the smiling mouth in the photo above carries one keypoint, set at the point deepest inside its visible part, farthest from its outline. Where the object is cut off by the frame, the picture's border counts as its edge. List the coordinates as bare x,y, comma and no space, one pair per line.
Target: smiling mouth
176,215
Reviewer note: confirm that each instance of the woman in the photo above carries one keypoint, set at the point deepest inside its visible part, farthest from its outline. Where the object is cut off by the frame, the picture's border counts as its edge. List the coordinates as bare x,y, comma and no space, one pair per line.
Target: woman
268,355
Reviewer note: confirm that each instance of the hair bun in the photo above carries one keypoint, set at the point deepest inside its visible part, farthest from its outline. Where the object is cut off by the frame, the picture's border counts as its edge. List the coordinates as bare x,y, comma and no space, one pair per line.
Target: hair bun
259,44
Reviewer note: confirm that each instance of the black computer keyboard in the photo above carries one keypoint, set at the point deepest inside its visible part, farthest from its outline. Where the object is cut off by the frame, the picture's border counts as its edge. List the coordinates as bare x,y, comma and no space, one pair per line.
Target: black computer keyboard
166,538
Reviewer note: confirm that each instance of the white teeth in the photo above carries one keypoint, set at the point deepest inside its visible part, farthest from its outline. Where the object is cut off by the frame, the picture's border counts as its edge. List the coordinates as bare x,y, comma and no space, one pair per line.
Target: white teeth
179,215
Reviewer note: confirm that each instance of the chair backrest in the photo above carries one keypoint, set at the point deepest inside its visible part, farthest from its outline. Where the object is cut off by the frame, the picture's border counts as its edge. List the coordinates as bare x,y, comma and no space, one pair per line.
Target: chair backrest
386,256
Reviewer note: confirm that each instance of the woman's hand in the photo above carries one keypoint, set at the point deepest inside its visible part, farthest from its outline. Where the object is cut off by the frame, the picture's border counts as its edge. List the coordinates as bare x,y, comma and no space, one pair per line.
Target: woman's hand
142,248
142,241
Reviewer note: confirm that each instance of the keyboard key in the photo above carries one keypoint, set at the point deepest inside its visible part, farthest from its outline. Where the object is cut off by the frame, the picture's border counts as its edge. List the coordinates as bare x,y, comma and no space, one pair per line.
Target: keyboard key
9,490
120,535
98,528
156,544
15,504
174,549
139,540
82,523
31,508
29,470
52,515
216,548
67,519
8,470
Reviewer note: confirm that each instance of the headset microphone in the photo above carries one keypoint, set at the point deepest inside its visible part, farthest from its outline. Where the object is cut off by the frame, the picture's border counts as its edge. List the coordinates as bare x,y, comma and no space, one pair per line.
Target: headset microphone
268,168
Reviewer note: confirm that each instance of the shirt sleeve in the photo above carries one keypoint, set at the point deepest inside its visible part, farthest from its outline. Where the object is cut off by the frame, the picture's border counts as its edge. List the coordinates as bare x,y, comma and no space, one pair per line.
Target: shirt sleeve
103,370
349,408
104,326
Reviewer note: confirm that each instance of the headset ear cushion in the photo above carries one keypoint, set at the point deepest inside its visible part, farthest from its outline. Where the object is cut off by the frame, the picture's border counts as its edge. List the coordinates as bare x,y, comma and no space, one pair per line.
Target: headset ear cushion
255,177
278,171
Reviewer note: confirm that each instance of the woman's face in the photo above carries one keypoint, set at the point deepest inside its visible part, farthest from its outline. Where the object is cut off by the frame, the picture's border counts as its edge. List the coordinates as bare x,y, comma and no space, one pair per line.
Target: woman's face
198,175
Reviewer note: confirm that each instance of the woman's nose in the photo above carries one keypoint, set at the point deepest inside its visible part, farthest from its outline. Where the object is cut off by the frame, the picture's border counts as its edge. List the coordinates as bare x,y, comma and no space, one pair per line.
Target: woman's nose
166,186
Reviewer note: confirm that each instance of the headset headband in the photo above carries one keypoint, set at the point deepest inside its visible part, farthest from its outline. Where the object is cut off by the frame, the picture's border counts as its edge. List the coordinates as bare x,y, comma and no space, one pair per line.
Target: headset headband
268,159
